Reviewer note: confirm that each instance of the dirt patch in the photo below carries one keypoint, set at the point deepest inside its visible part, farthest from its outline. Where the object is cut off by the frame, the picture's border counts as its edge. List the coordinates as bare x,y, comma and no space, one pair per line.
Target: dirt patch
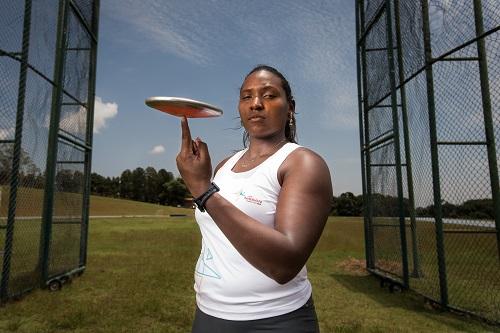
389,266
354,266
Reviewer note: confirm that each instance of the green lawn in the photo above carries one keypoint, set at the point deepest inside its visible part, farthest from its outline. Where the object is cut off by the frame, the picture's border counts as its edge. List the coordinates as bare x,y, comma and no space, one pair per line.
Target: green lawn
139,278
30,203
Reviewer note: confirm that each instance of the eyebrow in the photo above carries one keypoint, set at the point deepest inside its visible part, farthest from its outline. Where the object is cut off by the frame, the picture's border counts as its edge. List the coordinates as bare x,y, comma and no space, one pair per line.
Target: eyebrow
259,88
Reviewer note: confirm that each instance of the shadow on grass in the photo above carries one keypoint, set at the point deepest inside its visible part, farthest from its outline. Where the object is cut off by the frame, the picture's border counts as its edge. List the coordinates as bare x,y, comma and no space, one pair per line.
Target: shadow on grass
369,286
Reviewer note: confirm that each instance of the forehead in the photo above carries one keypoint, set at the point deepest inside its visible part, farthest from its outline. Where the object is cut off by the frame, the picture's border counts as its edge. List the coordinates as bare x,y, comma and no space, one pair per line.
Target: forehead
262,78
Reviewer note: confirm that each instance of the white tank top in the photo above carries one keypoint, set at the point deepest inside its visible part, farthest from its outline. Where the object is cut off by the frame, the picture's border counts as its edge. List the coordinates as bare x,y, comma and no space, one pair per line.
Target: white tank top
227,286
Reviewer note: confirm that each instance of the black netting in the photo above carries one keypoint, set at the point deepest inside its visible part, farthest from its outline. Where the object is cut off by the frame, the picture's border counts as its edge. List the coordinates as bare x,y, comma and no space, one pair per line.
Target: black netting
43,36
30,191
73,119
451,25
76,70
461,164
11,26
377,68
86,8
371,9
412,48
68,208
26,93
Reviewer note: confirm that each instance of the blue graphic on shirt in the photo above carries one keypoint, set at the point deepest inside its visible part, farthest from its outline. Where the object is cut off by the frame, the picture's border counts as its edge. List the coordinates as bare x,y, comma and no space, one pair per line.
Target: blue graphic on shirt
203,265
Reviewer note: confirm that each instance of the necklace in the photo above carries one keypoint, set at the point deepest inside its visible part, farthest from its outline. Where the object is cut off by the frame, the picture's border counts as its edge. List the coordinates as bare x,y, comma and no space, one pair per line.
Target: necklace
248,161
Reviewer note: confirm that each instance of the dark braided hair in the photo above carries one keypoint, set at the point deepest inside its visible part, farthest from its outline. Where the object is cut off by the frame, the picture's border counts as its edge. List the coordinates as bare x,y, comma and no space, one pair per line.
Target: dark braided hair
290,131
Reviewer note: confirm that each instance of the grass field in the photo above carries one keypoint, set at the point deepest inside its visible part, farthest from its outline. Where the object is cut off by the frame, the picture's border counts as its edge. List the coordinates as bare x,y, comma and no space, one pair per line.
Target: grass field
30,203
139,278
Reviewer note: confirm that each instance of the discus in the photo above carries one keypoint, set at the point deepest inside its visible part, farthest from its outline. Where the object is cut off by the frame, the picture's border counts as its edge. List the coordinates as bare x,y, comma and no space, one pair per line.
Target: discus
179,107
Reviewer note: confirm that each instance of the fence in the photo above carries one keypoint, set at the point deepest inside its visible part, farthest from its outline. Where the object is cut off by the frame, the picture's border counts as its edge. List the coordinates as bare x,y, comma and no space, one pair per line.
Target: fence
429,101
47,79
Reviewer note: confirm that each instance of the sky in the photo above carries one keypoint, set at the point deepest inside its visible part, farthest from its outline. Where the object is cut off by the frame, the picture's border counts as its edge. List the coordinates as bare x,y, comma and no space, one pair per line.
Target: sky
202,50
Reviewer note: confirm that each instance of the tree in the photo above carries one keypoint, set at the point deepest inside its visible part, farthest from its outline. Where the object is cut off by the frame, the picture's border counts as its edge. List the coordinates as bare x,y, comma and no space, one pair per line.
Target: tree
68,180
28,171
126,185
177,192
164,177
347,205
138,184
151,185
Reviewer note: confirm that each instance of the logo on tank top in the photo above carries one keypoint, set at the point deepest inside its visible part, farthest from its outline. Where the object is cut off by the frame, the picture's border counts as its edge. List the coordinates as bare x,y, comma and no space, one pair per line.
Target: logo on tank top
204,267
251,199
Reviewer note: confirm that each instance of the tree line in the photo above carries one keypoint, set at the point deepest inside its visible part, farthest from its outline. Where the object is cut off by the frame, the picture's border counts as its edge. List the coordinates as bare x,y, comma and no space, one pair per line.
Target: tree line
146,185
161,187
348,204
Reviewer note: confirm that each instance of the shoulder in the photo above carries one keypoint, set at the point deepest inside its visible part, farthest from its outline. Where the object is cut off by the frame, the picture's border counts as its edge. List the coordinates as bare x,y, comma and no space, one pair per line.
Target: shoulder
303,161
304,157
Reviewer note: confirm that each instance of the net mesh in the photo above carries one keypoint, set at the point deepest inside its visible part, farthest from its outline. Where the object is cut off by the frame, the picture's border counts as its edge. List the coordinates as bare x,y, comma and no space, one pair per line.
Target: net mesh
470,248
26,93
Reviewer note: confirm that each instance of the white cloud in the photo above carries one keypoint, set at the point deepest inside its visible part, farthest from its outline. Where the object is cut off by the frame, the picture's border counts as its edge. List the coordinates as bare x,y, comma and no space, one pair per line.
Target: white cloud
7,133
73,122
103,112
157,150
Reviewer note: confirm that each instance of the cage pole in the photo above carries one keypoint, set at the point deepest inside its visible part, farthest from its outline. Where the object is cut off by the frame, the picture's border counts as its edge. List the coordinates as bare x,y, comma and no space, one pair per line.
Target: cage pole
406,134
361,137
488,118
397,148
370,260
88,140
50,170
436,186
16,154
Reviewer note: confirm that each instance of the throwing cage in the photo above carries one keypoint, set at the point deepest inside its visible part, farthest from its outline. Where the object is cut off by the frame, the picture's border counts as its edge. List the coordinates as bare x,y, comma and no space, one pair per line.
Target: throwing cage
47,83
429,117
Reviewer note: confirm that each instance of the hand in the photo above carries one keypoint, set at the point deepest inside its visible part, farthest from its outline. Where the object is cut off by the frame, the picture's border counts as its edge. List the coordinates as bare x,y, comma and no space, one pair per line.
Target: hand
193,162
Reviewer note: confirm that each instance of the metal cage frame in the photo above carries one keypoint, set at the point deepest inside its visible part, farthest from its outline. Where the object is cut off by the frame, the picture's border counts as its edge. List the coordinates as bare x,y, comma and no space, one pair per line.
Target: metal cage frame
394,228
52,240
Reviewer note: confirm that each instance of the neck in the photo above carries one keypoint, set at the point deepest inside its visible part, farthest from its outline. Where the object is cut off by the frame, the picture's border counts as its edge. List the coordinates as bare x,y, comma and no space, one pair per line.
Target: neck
259,147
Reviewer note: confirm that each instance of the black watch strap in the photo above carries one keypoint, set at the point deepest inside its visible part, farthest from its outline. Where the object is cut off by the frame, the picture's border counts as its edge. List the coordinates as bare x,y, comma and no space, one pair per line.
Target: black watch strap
200,201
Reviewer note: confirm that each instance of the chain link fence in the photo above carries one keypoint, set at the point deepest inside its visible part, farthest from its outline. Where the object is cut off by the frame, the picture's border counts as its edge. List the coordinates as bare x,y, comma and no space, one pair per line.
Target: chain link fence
47,80
429,101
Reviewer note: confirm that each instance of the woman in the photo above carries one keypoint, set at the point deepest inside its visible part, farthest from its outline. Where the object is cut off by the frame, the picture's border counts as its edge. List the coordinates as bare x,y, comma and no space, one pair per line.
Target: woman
260,218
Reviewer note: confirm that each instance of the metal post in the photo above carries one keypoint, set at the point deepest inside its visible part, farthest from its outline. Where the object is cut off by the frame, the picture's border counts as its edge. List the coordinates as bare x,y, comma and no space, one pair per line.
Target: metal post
361,137
16,154
88,139
488,118
397,151
406,134
370,260
434,154
57,96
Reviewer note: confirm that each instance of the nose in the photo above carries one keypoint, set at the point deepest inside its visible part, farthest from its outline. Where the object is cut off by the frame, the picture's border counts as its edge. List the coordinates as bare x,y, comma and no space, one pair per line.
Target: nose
256,103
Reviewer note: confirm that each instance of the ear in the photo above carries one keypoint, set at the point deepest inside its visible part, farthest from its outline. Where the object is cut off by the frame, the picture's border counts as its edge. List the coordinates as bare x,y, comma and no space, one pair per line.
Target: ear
291,105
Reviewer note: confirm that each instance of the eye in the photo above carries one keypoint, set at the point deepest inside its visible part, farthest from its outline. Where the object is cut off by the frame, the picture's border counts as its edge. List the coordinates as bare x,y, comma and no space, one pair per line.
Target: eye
245,97
269,96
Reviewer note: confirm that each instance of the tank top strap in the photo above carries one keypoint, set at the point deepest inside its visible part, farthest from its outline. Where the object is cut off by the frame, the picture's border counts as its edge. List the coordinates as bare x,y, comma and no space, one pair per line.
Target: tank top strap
232,160
270,167
279,157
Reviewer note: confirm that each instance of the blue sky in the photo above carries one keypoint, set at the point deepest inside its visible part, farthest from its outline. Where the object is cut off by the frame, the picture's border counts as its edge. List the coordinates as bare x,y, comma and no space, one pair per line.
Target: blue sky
202,50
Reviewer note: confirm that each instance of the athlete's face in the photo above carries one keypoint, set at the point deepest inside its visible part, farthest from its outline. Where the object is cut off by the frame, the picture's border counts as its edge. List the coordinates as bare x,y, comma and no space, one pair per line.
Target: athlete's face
264,108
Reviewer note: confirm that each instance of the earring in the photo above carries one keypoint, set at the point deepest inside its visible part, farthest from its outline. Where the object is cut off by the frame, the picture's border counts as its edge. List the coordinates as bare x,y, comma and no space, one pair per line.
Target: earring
290,123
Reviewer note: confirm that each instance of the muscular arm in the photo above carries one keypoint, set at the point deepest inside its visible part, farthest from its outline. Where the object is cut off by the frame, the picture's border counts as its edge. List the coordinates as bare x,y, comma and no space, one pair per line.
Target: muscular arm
301,213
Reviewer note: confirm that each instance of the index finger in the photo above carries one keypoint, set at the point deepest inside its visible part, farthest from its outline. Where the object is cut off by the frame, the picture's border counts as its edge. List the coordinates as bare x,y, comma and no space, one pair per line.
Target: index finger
186,136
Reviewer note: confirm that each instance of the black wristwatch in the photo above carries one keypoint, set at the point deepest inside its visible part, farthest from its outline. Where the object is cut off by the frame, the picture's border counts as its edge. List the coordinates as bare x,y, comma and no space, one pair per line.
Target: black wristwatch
200,201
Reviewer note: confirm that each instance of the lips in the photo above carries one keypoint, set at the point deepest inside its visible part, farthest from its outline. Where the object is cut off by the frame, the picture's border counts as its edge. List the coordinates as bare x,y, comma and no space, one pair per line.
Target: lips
256,118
